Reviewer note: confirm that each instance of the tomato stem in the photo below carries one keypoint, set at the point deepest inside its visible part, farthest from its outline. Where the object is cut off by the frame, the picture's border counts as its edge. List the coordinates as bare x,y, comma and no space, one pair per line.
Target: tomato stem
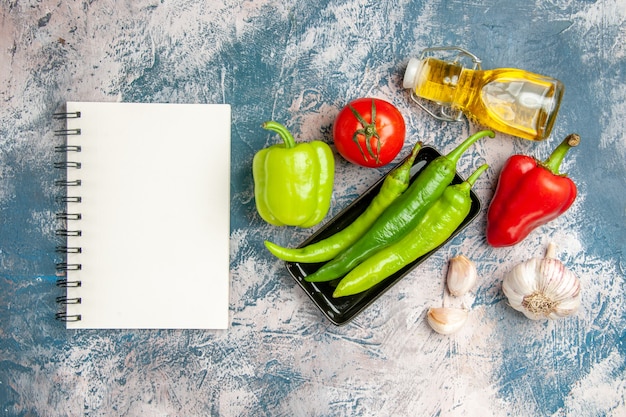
368,131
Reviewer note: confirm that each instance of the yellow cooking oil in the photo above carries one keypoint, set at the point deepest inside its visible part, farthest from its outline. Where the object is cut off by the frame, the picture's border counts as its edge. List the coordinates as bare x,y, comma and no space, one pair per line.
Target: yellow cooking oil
512,101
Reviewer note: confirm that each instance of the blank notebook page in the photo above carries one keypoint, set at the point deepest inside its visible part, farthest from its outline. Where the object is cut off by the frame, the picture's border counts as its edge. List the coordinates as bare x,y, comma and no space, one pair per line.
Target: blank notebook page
155,215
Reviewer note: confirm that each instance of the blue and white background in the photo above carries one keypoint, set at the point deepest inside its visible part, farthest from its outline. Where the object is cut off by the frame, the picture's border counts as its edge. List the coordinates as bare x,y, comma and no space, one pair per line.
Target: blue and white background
298,63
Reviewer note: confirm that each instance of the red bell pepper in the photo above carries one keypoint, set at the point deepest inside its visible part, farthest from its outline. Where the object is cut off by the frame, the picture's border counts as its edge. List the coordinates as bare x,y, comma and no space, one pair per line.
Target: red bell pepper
529,194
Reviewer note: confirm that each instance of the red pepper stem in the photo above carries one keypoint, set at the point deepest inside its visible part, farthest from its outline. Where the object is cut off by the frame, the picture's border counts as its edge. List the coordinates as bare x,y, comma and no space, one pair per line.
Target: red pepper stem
456,153
282,131
556,157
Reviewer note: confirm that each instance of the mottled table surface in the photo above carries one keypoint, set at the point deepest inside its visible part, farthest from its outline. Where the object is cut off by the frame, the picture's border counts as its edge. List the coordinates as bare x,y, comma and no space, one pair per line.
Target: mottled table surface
299,62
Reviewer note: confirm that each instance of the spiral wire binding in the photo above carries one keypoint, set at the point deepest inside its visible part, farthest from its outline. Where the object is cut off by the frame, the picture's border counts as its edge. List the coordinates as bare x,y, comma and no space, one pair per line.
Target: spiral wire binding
63,267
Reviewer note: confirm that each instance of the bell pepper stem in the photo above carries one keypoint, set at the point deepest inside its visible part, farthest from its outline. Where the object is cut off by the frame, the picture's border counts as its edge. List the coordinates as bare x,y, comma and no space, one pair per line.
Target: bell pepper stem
456,153
553,162
282,131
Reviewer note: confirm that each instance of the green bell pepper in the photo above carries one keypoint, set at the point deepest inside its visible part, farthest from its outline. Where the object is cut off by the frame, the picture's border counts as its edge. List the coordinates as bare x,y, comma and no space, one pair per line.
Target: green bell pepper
293,183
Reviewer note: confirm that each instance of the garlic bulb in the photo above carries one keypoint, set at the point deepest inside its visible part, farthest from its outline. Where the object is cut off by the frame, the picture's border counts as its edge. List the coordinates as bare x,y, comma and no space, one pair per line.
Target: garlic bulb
461,276
543,288
446,320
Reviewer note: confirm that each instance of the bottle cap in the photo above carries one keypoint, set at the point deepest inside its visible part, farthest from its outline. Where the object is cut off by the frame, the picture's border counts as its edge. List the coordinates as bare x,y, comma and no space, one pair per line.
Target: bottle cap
411,72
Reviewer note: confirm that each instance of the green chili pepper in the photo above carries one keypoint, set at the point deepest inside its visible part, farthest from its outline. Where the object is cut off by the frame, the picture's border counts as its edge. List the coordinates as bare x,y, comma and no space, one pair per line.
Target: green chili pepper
402,215
394,184
293,183
433,229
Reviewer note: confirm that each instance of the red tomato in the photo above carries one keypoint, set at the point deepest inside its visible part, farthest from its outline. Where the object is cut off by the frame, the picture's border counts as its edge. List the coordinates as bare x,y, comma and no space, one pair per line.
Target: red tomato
369,132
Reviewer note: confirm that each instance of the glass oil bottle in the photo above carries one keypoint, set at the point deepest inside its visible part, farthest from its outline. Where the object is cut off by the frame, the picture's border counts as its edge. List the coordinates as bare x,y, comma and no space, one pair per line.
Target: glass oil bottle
509,100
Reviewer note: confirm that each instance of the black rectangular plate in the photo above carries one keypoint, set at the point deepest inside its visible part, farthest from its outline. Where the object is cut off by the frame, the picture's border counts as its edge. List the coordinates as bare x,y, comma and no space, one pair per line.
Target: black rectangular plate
341,310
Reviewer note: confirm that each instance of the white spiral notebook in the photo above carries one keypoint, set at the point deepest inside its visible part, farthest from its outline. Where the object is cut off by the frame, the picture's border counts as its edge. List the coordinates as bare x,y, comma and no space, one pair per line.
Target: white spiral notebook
146,190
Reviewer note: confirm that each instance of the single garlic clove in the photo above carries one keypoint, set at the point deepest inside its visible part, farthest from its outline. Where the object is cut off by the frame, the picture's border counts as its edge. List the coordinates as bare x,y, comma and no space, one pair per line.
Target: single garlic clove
446,320
461,276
